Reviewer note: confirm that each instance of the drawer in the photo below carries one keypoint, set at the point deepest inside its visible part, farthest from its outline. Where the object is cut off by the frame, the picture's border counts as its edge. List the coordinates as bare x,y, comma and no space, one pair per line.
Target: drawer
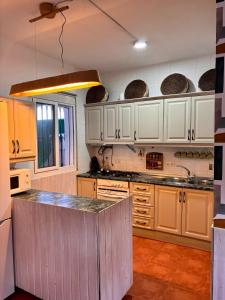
144,199
143,211
143,222
142,188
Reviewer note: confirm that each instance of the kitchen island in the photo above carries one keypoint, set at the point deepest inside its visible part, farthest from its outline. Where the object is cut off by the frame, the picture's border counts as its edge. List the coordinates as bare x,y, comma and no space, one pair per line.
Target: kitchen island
69,247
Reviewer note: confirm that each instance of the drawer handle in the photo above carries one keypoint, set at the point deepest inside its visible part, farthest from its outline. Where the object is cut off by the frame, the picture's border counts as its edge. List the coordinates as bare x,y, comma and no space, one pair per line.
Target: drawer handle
141,189
14,146
141,211
141,200
141,223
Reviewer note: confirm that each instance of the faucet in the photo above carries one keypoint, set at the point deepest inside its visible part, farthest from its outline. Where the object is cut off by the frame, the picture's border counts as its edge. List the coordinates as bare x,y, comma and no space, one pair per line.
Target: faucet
185,168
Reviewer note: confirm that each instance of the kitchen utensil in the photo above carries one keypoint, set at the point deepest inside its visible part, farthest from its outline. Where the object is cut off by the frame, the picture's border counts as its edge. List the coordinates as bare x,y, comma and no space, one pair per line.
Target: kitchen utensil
174,84
136,89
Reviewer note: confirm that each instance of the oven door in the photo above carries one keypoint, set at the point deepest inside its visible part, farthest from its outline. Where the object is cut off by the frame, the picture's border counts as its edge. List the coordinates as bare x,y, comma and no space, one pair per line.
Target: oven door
112,195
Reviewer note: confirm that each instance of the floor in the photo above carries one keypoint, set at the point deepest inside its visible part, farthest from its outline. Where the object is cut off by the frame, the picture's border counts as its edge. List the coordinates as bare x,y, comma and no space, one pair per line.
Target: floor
164,271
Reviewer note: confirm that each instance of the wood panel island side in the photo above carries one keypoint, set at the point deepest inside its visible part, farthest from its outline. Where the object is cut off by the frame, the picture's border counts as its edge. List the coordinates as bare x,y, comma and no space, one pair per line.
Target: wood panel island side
68,247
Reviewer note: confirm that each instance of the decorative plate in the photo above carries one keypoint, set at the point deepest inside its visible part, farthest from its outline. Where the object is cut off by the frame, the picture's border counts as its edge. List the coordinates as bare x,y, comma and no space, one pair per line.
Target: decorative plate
207,80
174,84
136,89
97,94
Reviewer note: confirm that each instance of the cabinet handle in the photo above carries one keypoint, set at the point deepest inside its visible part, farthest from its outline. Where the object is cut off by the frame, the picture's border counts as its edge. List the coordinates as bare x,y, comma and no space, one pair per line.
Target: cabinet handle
14,146
141,189
141,211
193,135
118,133
101,136
189,134
141,222
94,186
184,197
180,197
135,135
18,146
141,200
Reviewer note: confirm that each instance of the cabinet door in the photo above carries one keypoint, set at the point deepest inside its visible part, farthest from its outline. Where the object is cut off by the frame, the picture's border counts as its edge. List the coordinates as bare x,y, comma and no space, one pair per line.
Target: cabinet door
126,122
177,118
94,124
149,122
86,187
111,123
11,129
202,121
197,214
25,130
168,209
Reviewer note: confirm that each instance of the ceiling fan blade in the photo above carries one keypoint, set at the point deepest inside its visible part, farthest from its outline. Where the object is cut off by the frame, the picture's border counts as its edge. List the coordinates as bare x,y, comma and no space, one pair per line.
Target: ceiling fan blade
56,10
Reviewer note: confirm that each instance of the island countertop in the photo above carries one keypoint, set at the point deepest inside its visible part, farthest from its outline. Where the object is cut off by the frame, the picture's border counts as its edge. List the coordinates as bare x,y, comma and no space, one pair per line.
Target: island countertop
64,200
72,247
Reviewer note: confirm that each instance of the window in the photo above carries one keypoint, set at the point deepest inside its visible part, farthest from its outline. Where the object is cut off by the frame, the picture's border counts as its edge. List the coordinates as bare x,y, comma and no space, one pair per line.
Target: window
55,136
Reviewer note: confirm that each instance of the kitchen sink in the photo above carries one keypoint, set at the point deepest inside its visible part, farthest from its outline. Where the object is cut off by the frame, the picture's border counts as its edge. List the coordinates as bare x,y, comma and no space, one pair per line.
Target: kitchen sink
176,179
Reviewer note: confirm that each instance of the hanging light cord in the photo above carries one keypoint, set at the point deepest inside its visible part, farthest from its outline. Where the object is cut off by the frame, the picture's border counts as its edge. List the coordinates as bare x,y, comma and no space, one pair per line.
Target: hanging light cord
60,39
114,20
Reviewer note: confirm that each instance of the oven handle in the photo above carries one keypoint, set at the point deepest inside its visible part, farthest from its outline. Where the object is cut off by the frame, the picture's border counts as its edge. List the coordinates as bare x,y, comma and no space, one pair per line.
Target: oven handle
111,196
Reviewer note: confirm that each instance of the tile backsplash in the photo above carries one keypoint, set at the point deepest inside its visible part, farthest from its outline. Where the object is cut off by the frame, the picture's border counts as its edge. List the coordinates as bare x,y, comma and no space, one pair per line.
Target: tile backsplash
122,158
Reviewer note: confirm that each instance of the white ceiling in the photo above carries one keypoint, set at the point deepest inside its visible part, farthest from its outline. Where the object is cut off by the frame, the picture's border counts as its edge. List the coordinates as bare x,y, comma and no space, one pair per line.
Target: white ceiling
175,29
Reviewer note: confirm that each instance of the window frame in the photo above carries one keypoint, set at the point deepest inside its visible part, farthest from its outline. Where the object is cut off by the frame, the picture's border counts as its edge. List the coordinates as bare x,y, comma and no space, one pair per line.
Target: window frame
57,166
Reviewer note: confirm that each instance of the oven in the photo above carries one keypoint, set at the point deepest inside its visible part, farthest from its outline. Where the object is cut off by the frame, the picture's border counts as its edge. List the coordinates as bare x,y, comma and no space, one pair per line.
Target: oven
113,190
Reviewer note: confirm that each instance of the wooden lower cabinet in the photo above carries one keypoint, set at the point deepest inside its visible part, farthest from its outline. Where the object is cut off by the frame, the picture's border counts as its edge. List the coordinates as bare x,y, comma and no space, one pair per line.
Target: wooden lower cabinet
167,209
86,187
197,214
186,212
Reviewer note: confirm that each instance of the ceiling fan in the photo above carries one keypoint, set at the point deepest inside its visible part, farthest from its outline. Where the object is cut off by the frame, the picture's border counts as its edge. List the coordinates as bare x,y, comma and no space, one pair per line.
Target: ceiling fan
49,10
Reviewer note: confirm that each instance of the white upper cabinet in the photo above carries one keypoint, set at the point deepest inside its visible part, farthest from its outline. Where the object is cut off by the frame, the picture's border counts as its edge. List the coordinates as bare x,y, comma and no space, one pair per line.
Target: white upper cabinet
202,119
126,122
149,122
177,120
111,123
94,124
184,120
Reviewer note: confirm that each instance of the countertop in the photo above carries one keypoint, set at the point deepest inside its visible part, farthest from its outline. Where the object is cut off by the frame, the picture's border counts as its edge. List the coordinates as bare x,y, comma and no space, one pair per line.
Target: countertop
67,201
144,178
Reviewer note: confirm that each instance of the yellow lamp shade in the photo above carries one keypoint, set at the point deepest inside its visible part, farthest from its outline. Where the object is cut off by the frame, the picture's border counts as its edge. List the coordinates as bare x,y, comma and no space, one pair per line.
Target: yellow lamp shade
65,82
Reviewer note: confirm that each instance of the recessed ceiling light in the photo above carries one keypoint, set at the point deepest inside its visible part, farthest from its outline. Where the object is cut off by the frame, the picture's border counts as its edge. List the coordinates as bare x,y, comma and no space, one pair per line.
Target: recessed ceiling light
140,44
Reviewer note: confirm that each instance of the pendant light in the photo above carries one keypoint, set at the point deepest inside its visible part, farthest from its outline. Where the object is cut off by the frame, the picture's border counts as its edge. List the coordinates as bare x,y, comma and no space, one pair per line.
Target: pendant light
55,84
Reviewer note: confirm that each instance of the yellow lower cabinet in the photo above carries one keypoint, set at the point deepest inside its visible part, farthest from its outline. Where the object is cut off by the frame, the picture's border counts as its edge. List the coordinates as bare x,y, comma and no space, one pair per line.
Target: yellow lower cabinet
197,214
86,187
168,208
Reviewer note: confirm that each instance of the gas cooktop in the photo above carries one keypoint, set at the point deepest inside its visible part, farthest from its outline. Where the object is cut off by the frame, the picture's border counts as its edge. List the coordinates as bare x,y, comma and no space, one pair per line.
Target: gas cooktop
114,173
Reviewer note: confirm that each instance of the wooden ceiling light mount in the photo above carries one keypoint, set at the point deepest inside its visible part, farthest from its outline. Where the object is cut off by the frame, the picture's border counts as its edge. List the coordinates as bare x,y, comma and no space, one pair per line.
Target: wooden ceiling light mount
49,10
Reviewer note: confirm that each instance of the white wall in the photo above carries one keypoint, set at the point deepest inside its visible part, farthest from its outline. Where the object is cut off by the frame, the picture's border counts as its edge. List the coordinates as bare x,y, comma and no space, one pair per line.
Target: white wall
116,82
17,64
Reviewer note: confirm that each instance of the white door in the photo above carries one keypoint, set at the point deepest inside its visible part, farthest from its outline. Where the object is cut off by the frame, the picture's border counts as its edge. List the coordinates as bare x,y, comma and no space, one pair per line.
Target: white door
126,123
202,119
94,124
149,122
177,120
111,123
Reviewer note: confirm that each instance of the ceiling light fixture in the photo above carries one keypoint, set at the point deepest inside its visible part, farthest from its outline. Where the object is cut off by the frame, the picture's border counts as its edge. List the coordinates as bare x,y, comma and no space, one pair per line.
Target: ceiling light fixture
140,44
55,84
60,83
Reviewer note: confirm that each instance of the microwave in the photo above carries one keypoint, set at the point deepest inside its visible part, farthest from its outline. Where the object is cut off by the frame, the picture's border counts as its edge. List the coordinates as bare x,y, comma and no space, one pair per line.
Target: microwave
20,181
